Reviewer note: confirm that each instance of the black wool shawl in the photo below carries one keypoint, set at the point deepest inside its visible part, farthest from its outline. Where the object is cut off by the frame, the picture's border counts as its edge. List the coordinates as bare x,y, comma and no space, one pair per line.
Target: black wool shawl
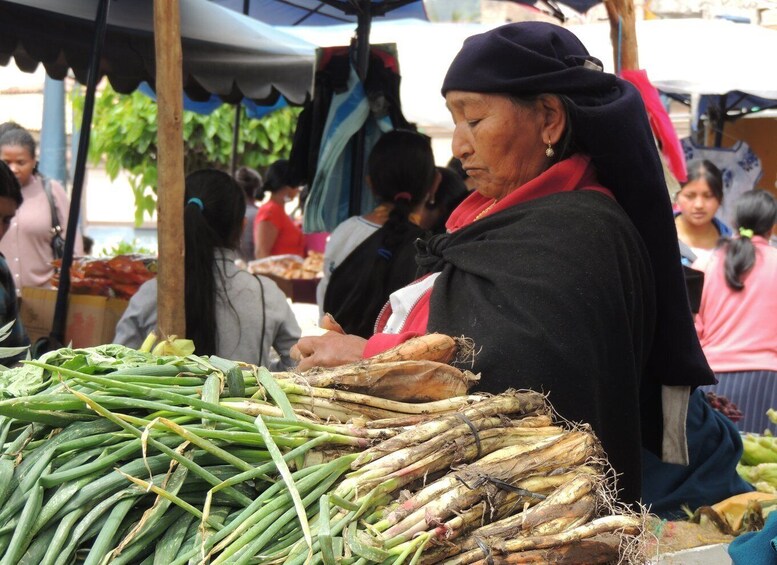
558,295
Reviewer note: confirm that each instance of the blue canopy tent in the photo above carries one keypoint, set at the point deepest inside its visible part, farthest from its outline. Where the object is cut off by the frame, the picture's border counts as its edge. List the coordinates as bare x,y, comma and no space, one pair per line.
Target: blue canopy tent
223,54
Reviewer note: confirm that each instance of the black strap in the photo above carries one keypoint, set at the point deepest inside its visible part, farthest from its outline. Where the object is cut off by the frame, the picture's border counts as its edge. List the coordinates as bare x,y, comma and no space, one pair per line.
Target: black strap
55,225
264,318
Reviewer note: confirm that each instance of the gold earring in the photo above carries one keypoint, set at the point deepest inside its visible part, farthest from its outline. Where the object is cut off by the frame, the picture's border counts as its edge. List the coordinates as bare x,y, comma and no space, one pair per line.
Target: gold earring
549,153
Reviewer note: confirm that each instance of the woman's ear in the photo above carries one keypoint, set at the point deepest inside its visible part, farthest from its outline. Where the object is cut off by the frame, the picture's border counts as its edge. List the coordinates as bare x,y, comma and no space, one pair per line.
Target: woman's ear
554,118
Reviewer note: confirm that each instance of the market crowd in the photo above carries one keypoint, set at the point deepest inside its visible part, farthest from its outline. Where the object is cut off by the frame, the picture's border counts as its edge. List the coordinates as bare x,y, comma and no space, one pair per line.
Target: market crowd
555,245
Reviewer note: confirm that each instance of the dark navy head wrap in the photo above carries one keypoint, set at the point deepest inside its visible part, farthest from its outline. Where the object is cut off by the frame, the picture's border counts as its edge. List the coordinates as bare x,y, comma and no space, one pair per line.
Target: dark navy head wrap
525,59
609,124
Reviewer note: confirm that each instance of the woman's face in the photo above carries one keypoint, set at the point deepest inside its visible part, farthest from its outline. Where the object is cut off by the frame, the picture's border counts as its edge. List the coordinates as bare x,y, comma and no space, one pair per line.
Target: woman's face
19,160
697,203
499,142
291,192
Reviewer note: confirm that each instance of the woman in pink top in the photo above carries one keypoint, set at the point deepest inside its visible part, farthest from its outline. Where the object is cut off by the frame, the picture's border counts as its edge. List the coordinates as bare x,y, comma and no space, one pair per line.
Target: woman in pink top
274,231
737,321
27,243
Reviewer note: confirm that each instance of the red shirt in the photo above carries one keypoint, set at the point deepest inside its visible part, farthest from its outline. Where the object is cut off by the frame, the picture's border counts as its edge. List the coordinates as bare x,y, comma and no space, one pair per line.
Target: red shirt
290,239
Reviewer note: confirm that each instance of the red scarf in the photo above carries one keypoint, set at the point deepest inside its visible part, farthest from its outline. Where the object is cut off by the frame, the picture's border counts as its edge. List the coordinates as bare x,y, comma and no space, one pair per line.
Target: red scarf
575,173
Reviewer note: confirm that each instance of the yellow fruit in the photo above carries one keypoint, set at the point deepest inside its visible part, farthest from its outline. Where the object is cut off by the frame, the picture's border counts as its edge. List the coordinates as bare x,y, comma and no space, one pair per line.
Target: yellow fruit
733,508
174,346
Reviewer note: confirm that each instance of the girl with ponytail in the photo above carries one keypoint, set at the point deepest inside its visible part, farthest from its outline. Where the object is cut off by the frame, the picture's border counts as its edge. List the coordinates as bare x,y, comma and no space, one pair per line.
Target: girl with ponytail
736,322
229,312
369,257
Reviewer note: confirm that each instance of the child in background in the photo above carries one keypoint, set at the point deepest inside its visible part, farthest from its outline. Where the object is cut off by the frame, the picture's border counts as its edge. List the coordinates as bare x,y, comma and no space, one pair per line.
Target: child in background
736,322
10,200
698,230
369,257
229,312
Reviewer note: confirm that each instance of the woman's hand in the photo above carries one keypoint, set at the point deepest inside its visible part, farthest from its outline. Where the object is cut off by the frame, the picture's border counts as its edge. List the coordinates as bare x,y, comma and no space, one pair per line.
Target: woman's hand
331,349
328,350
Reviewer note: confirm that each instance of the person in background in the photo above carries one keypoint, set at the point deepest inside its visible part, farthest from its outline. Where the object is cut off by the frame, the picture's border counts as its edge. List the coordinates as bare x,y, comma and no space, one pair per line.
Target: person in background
737,319
698,230
249,180
369,257
229,312
88,245
563,265
27,243
10,200
451,191
274,231
8,126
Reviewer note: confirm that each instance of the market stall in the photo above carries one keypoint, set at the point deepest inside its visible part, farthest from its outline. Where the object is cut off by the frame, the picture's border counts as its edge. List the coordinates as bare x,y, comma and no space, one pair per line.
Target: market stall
221,53
159,455
210,460
156,455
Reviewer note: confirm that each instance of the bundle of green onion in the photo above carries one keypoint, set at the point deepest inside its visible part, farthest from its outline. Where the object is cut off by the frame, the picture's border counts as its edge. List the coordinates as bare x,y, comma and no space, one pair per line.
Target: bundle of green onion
119,456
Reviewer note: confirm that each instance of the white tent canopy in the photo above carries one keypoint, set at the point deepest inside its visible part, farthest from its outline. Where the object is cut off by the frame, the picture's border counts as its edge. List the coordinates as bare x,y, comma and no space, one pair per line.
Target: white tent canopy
682,56
695,56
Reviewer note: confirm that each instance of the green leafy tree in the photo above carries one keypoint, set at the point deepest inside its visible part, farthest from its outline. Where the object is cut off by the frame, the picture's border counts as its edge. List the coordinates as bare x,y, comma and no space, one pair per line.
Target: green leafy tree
124,137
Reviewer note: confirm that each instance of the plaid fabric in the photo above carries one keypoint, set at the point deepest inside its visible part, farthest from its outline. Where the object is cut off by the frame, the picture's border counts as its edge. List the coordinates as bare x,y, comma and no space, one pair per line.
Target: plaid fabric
9,310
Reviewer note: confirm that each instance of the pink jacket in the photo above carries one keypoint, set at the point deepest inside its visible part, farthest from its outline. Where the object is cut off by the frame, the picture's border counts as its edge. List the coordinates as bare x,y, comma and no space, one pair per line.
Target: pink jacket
27,243
738,330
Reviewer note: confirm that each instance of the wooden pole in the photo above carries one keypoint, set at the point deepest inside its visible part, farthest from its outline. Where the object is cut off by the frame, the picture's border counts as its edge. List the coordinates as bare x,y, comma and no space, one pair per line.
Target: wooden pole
623,34
171,310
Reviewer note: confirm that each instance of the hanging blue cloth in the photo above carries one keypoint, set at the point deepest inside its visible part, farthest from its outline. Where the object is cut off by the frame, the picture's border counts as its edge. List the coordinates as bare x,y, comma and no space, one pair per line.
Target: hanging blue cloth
328,202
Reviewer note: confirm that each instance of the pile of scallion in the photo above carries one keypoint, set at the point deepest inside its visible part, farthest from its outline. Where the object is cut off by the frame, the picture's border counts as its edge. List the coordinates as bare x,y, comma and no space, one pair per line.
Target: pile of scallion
110,455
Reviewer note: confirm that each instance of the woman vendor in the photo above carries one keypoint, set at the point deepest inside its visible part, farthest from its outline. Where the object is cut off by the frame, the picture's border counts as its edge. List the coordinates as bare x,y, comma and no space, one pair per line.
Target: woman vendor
563,265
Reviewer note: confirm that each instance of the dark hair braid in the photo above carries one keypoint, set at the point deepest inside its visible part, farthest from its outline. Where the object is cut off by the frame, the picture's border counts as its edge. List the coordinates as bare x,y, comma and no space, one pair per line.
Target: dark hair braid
214,207
401,168
756,214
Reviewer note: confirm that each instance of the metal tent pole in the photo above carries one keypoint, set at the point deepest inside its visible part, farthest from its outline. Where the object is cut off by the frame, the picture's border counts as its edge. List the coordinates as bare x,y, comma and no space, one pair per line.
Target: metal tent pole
60,310
358,149
238,111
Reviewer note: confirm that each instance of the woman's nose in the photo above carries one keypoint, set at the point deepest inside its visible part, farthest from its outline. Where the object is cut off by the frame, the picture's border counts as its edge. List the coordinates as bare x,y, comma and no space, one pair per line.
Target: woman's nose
460,146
